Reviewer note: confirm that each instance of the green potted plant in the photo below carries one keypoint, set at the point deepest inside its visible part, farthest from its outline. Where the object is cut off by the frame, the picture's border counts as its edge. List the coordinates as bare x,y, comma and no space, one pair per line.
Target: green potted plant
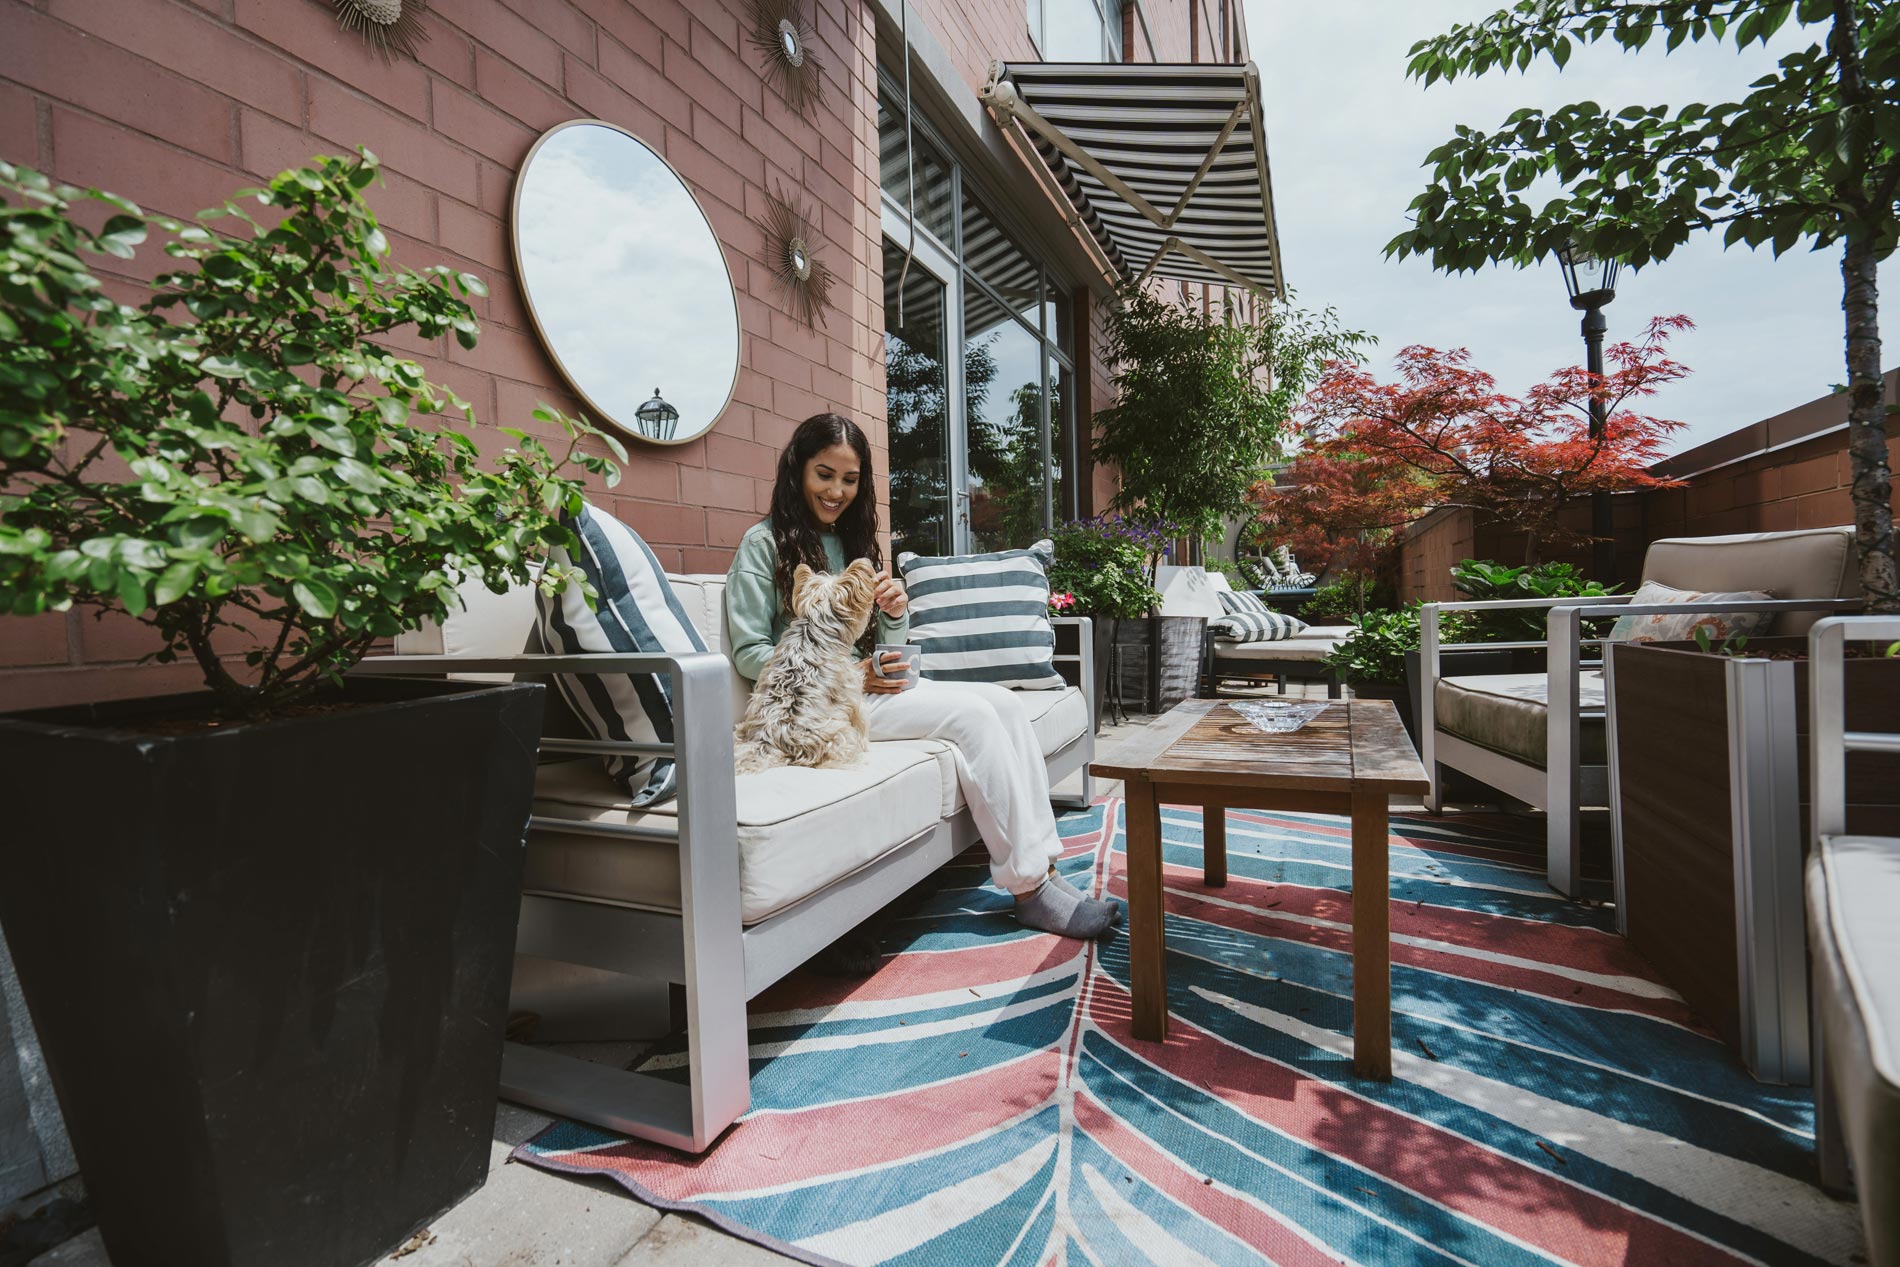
1102,563
264,930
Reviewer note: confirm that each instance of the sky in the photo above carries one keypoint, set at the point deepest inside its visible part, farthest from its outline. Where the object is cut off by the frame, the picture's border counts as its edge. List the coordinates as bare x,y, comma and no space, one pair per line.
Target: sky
1347,135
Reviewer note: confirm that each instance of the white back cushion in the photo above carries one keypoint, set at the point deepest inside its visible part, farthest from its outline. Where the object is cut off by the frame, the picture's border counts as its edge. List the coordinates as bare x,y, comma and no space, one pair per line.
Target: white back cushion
1811,563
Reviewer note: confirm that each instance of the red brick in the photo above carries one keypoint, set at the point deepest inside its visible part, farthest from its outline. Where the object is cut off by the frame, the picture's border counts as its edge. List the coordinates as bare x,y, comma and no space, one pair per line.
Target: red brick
559,19
729,29
659,524
1809,476
462,117
725,527
52,58
404,205
700,487
448,52
704,561
1774,517
309,31
411,149
495,25
600,99
111,636
267,145
508,353
19,127
157,177
705,88
705,174
640,80
780,364
741,457
36,639
623,23
718,51
501,85
49,688
1824,510
481,238
205,51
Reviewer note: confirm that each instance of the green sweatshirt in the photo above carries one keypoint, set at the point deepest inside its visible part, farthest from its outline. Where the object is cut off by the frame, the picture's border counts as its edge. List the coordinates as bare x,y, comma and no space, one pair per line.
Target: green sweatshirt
755,618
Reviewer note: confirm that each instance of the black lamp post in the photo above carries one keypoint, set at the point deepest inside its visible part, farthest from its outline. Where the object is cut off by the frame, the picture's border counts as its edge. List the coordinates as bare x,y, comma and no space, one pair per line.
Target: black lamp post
1592,285
657,419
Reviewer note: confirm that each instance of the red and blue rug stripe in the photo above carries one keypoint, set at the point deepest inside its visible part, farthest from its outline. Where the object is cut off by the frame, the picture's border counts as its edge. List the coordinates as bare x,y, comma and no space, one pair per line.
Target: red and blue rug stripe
980,1100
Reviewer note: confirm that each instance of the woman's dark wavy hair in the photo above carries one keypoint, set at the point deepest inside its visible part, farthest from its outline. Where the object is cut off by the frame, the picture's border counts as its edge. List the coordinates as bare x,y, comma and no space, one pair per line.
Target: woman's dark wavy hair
794,530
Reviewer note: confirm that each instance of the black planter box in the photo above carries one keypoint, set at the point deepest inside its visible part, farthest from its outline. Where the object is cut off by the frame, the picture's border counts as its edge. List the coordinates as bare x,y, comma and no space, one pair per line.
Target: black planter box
269,964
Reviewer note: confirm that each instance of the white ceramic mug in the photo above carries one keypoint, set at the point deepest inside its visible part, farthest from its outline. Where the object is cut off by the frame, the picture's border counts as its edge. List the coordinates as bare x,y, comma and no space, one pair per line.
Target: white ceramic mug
907,670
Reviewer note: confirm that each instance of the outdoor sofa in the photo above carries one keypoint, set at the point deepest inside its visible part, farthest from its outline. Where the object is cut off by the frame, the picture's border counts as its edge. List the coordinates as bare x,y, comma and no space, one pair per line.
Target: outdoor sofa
1540,737
729,887
1853,887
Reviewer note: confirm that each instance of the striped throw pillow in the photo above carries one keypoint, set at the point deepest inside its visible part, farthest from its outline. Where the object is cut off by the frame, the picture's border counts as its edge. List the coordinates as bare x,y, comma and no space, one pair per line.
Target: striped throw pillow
1260,626
636,612
984,617
1238,602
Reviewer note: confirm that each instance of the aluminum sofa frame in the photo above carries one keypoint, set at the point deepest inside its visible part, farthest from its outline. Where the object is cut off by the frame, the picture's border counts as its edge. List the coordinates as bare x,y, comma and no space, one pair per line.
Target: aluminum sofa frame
703,946
1829,742
1564,784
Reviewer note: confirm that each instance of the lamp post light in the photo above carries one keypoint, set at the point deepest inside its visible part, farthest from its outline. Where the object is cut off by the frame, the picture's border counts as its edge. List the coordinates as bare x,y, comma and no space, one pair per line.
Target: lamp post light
1592,285
657,419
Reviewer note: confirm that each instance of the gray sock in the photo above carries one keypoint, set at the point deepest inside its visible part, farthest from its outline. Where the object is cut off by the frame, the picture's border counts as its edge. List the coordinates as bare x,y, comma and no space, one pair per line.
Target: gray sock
1115,908
1057,909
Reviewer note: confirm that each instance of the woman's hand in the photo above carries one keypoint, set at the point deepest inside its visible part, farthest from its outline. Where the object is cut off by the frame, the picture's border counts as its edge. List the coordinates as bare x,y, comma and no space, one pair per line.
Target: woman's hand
890,596
877,685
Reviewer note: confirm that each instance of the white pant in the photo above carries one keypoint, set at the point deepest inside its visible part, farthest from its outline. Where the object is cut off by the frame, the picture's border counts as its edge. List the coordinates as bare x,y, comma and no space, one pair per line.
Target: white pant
999,766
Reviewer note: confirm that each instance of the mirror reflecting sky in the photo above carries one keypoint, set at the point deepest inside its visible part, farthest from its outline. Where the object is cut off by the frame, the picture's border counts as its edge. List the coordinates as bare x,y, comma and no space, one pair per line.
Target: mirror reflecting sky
626,279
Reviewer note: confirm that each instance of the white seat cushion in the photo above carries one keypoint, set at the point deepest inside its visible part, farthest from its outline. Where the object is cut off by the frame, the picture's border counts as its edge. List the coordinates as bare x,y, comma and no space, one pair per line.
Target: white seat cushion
1057,716
799,830
1510,713
1314,649
1853,892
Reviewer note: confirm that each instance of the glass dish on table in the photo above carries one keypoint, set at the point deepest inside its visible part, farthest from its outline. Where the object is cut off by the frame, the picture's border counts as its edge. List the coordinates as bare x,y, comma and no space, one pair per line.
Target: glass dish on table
1278,717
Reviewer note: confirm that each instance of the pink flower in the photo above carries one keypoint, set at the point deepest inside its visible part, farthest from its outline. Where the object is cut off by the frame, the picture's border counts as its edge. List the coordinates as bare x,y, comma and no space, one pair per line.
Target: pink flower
1061,602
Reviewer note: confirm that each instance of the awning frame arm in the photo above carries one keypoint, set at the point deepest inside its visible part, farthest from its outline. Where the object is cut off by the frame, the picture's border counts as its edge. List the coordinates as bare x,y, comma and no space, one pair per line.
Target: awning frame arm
1241,111
1002,96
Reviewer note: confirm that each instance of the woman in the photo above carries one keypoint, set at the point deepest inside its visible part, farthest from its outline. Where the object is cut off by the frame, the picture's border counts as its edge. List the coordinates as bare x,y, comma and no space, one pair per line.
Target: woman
824,514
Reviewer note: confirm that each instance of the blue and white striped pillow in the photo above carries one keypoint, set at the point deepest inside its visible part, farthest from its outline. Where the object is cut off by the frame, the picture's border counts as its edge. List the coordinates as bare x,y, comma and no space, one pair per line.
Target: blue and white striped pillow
1260,626
636,612
1236,602
984,617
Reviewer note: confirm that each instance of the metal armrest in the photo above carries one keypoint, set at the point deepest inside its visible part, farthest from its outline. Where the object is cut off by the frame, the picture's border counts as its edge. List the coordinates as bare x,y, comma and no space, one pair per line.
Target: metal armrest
1084,657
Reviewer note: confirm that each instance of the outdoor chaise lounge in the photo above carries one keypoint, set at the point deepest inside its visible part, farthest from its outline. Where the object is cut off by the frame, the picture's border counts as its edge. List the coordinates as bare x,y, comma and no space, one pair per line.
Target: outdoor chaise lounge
1300,658
1853,892
731,886
1539,737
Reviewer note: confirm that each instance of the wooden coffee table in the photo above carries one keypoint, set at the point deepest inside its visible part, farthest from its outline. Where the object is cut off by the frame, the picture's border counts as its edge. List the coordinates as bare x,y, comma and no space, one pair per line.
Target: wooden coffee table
1349,760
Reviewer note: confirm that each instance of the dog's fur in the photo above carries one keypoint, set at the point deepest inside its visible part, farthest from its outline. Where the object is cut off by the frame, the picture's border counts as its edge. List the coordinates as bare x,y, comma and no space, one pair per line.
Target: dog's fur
807,708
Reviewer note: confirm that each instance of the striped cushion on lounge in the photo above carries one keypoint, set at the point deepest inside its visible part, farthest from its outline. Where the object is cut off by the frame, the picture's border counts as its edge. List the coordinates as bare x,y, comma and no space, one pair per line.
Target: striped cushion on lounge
984,617
1238,602
636,612
1260,626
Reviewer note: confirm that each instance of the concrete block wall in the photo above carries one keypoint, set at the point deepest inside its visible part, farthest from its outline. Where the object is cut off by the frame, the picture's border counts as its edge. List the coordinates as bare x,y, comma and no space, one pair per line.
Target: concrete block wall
177,104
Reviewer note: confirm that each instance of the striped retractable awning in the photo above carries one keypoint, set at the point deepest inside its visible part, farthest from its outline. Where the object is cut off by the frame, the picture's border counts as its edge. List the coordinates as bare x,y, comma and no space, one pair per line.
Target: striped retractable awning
1165,164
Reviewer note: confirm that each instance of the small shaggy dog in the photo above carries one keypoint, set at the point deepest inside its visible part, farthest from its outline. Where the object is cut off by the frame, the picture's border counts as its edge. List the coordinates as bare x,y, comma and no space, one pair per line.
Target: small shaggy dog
807,708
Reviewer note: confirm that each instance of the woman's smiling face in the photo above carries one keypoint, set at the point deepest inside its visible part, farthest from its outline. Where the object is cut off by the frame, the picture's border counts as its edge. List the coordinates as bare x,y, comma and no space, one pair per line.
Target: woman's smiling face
831,483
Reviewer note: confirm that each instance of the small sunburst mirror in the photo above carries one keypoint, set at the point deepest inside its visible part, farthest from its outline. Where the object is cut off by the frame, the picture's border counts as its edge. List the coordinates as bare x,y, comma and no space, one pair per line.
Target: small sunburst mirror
782,32
388,26
626,282
795,267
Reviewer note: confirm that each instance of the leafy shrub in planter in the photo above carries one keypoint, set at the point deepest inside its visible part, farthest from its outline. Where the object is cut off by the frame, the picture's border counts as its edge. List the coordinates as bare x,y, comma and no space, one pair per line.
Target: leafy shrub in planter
1375,651
1341,602
241,452
1104,563
1484,581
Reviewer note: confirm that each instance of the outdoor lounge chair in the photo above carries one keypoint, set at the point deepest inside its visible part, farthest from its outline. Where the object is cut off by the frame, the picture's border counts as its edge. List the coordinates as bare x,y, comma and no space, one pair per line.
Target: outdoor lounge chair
1539,737
732,885
1853,892
1300,658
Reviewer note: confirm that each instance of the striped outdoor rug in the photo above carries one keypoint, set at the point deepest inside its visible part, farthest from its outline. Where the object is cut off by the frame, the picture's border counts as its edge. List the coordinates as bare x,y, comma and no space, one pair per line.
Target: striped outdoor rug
980,1101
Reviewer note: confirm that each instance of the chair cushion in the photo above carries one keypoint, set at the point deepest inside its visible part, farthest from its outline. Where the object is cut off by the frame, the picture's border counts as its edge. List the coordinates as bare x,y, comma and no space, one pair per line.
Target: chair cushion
1314,649
984,617
1853,892
799,830
1509,713
1672,628
1811,563
635,610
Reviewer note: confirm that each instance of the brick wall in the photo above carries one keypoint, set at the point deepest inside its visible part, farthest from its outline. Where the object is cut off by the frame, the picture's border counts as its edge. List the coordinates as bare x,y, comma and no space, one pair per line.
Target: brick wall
177,104
1785,472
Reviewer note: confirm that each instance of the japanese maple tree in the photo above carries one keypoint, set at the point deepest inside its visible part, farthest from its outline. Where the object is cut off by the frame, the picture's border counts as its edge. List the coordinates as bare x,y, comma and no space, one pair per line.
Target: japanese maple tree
1380,454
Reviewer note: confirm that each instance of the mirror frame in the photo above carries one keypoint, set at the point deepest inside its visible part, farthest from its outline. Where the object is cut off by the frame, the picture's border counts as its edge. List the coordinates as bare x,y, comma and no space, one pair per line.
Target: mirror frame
595,412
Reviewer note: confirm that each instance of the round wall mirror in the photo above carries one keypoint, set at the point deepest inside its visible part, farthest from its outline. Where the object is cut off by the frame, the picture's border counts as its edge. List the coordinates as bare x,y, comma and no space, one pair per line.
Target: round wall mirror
626,282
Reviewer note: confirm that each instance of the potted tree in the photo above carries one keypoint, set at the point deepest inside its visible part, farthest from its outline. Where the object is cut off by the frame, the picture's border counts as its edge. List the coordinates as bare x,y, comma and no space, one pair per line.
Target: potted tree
1102,563
1205,403
265,930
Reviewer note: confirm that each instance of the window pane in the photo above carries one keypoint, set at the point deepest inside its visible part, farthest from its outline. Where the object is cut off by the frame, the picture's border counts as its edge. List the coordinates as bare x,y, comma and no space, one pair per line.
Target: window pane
931,171
1061,443
916,393
1112,15
1003,392
1035,22
996,260
1072,31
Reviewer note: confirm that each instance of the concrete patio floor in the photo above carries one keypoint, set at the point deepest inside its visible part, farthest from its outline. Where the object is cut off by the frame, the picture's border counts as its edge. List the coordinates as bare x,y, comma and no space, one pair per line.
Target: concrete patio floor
527,1217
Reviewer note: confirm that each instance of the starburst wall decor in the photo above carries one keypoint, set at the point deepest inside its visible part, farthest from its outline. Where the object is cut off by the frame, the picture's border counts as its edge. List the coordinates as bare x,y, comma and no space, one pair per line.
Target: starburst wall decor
788,238
782,32
389,26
